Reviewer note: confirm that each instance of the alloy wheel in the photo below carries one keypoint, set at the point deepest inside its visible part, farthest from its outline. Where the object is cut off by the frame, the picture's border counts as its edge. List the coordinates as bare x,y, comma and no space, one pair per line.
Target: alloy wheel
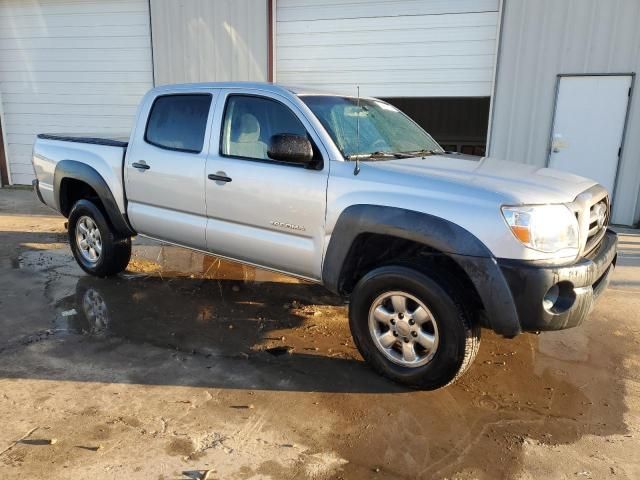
403,329
88,239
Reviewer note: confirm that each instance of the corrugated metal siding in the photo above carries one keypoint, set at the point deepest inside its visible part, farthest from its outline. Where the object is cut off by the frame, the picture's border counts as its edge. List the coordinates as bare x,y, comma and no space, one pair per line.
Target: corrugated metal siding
391,48
544,38
204,40
70,65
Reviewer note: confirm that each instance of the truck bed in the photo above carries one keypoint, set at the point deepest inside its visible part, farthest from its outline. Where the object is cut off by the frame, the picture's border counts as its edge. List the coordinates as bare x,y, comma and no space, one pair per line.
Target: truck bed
104,155
93,140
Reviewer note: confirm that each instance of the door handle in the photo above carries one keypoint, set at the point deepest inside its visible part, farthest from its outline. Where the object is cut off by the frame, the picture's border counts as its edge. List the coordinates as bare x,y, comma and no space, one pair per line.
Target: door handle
219,177
141,165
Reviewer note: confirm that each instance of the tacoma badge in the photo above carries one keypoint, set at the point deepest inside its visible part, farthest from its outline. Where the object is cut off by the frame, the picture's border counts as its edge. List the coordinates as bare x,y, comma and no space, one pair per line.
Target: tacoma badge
290,226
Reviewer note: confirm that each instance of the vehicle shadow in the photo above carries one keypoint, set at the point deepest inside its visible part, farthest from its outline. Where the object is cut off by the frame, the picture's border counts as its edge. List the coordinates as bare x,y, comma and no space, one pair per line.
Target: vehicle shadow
233,333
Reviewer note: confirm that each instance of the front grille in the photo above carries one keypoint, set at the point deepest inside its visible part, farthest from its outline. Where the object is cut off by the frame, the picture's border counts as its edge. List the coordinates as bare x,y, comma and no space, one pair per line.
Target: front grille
598,221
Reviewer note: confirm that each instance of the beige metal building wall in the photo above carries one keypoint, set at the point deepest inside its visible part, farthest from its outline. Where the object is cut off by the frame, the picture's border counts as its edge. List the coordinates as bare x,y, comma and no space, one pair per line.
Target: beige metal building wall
390,48
543,38
69,66
207,41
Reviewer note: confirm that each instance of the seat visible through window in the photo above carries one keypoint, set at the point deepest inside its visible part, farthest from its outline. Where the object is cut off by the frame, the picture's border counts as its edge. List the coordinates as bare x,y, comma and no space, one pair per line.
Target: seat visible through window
250,122
245,137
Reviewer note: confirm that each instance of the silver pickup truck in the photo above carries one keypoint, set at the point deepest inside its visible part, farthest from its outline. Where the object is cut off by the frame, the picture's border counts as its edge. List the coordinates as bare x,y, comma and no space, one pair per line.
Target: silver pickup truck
427,246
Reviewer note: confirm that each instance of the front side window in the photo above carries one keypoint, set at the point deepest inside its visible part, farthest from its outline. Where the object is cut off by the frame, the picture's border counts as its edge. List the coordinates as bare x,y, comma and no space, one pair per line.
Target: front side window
250,122
178,122
369,127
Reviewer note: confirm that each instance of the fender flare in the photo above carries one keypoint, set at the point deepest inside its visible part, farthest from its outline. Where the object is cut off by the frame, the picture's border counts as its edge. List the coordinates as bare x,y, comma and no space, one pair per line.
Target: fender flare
80,171
454,241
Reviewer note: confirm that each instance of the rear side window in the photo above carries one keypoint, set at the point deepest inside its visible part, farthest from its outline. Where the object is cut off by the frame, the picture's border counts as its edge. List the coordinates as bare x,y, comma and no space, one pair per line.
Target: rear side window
178,122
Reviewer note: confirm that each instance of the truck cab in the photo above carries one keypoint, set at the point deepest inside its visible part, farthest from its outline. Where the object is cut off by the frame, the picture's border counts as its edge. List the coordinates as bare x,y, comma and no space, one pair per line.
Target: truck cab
198,173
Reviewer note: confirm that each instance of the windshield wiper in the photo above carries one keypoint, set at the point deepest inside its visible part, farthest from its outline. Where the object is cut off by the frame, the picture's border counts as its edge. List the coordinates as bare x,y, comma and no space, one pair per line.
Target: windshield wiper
423,153
375,155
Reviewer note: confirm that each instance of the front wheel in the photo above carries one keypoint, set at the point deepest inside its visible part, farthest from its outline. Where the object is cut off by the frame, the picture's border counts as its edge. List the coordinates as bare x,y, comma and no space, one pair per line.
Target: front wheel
412,329
93,243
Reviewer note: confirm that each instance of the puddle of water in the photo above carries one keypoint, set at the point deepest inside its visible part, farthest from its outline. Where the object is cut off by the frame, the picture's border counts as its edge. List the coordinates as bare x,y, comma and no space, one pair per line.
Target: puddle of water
211,317
186,301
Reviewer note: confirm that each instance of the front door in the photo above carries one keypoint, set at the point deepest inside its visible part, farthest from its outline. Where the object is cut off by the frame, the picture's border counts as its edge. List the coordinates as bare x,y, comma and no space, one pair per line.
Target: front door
165,169
261,211
589,125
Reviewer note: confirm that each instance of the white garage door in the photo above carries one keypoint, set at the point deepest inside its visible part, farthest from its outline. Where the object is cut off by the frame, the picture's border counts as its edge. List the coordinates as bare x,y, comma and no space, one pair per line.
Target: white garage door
70,66
391,48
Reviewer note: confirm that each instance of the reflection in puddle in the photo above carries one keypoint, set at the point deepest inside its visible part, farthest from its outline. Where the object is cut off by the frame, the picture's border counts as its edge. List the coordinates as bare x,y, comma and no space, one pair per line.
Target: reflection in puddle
169,260
219,317
186,301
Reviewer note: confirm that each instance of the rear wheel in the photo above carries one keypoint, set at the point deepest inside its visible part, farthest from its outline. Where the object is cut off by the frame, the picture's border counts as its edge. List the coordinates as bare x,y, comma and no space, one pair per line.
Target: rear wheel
412,329
95,246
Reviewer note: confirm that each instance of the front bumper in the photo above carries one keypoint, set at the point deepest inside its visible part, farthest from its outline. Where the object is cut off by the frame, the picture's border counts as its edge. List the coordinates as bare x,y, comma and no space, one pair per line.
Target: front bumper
578,287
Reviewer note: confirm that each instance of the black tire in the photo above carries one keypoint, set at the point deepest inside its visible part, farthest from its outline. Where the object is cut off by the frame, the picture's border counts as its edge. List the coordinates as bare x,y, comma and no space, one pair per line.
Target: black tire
116,252
458,336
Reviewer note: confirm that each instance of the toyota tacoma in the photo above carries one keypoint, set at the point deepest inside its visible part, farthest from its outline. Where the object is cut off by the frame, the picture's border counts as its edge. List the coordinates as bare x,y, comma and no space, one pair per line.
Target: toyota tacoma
428,247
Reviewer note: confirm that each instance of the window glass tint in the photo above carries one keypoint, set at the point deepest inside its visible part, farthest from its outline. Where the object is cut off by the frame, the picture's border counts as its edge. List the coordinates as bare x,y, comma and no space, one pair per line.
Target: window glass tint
178,122
250,122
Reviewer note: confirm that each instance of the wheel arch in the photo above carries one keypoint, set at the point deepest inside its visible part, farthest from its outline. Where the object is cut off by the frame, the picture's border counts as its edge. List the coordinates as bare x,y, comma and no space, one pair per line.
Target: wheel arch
403,229
71,174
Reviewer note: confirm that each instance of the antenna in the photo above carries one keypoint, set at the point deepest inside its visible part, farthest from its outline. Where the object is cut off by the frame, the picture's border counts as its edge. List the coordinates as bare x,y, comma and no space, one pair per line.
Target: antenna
356,169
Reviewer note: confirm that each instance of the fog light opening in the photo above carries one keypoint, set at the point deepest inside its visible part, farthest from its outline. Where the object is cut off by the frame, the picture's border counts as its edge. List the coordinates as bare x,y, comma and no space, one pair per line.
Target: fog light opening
551,297
559,298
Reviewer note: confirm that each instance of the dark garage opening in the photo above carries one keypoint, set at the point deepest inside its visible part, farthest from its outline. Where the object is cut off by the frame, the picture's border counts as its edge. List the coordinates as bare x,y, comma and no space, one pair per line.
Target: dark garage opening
459,124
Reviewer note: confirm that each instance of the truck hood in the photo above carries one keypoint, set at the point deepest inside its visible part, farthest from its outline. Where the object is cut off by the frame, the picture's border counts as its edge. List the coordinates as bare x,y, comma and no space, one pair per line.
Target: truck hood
515,182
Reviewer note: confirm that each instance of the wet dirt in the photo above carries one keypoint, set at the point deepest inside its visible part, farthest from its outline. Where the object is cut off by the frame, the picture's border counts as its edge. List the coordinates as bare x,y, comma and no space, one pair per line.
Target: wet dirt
187,365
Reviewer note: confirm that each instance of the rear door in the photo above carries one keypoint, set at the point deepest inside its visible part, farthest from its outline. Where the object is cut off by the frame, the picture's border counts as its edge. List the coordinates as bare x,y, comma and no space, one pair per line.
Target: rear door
165,168
267,213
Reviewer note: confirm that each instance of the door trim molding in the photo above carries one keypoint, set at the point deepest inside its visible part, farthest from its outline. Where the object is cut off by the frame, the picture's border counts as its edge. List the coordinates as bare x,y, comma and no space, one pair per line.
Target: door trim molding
559,77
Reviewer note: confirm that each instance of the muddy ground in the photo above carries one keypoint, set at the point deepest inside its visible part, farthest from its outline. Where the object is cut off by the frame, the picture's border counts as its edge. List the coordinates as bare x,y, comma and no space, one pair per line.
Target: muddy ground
191,367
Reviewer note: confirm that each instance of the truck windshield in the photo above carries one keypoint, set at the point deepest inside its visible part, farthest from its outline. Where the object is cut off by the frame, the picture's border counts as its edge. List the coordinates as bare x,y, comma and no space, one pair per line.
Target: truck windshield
384,131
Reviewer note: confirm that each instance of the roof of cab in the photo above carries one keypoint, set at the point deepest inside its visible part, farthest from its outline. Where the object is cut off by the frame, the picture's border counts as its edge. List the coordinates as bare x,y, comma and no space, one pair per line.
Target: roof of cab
265,86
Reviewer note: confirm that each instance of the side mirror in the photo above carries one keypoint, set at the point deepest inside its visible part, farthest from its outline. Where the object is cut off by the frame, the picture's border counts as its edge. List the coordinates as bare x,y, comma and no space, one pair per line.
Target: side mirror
290,148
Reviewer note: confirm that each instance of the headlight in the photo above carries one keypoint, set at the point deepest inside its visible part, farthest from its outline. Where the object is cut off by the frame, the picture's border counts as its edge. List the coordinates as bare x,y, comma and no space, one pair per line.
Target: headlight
546,228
